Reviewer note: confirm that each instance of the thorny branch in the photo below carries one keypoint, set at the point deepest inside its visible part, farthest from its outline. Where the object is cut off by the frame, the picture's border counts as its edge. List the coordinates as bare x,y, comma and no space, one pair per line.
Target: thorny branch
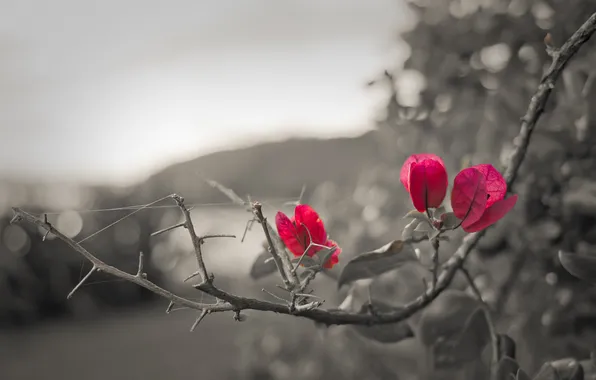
230,302
283,262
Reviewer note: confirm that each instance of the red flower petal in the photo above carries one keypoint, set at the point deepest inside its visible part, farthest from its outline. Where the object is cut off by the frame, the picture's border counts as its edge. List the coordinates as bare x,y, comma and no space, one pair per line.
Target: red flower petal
307,218
496,187
404,175
288,234
492,214
468,196
428,184
334,259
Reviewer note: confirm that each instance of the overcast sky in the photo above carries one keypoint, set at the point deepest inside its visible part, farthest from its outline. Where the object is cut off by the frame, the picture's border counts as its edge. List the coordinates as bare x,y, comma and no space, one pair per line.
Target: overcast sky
112,90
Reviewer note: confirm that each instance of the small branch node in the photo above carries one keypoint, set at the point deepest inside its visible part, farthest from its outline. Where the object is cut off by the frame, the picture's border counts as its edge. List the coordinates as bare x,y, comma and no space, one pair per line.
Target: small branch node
296,309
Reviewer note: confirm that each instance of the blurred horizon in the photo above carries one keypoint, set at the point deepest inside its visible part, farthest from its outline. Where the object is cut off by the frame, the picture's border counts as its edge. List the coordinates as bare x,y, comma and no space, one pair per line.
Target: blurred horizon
96,101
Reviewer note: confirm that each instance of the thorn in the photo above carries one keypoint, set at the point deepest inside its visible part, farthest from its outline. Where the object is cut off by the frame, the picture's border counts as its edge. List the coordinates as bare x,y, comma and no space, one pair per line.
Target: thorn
273,295
309,295
167,229
283,288
170,306
248,228
301,194
199,319
17,216
217,236
81,282
141,264
195,274
239,317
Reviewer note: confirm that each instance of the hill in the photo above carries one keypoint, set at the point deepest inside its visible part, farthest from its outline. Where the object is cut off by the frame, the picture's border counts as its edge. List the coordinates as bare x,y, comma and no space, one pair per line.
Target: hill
277,169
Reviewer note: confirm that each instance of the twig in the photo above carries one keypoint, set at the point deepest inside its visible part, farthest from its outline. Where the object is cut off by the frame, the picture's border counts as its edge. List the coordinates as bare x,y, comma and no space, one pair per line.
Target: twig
230,302
560,59
472,284
494,338
284,265
140,272
196,242
99,265
72,292
167,229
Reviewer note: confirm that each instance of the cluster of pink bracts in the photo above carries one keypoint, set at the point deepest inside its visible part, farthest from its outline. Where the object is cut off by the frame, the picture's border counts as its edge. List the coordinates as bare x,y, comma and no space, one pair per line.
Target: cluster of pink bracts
477,199
478,194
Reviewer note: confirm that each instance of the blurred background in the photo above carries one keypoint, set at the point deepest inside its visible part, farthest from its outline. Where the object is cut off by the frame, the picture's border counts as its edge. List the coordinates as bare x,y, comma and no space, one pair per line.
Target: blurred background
108,105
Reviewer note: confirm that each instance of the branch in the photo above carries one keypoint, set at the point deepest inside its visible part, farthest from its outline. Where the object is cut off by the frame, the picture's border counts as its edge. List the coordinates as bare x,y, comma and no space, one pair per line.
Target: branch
284,265
196,242
230,302
561,57
100,266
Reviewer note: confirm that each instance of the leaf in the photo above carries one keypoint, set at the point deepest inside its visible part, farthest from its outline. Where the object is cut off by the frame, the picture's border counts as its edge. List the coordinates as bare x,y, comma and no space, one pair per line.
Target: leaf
506,346
408,232
581,265
468,197
424,227
373,263
475,337
358,301
547,372
589,369
450,221
436,213
457,350
443,318
385,333
263,266
226,191
507,369
325,254
568,369
521,375
307,262
278,244
415,214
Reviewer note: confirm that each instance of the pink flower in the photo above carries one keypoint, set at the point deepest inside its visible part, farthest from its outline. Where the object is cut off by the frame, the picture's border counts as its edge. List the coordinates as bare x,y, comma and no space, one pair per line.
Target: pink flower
478,197
425,178
296,233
